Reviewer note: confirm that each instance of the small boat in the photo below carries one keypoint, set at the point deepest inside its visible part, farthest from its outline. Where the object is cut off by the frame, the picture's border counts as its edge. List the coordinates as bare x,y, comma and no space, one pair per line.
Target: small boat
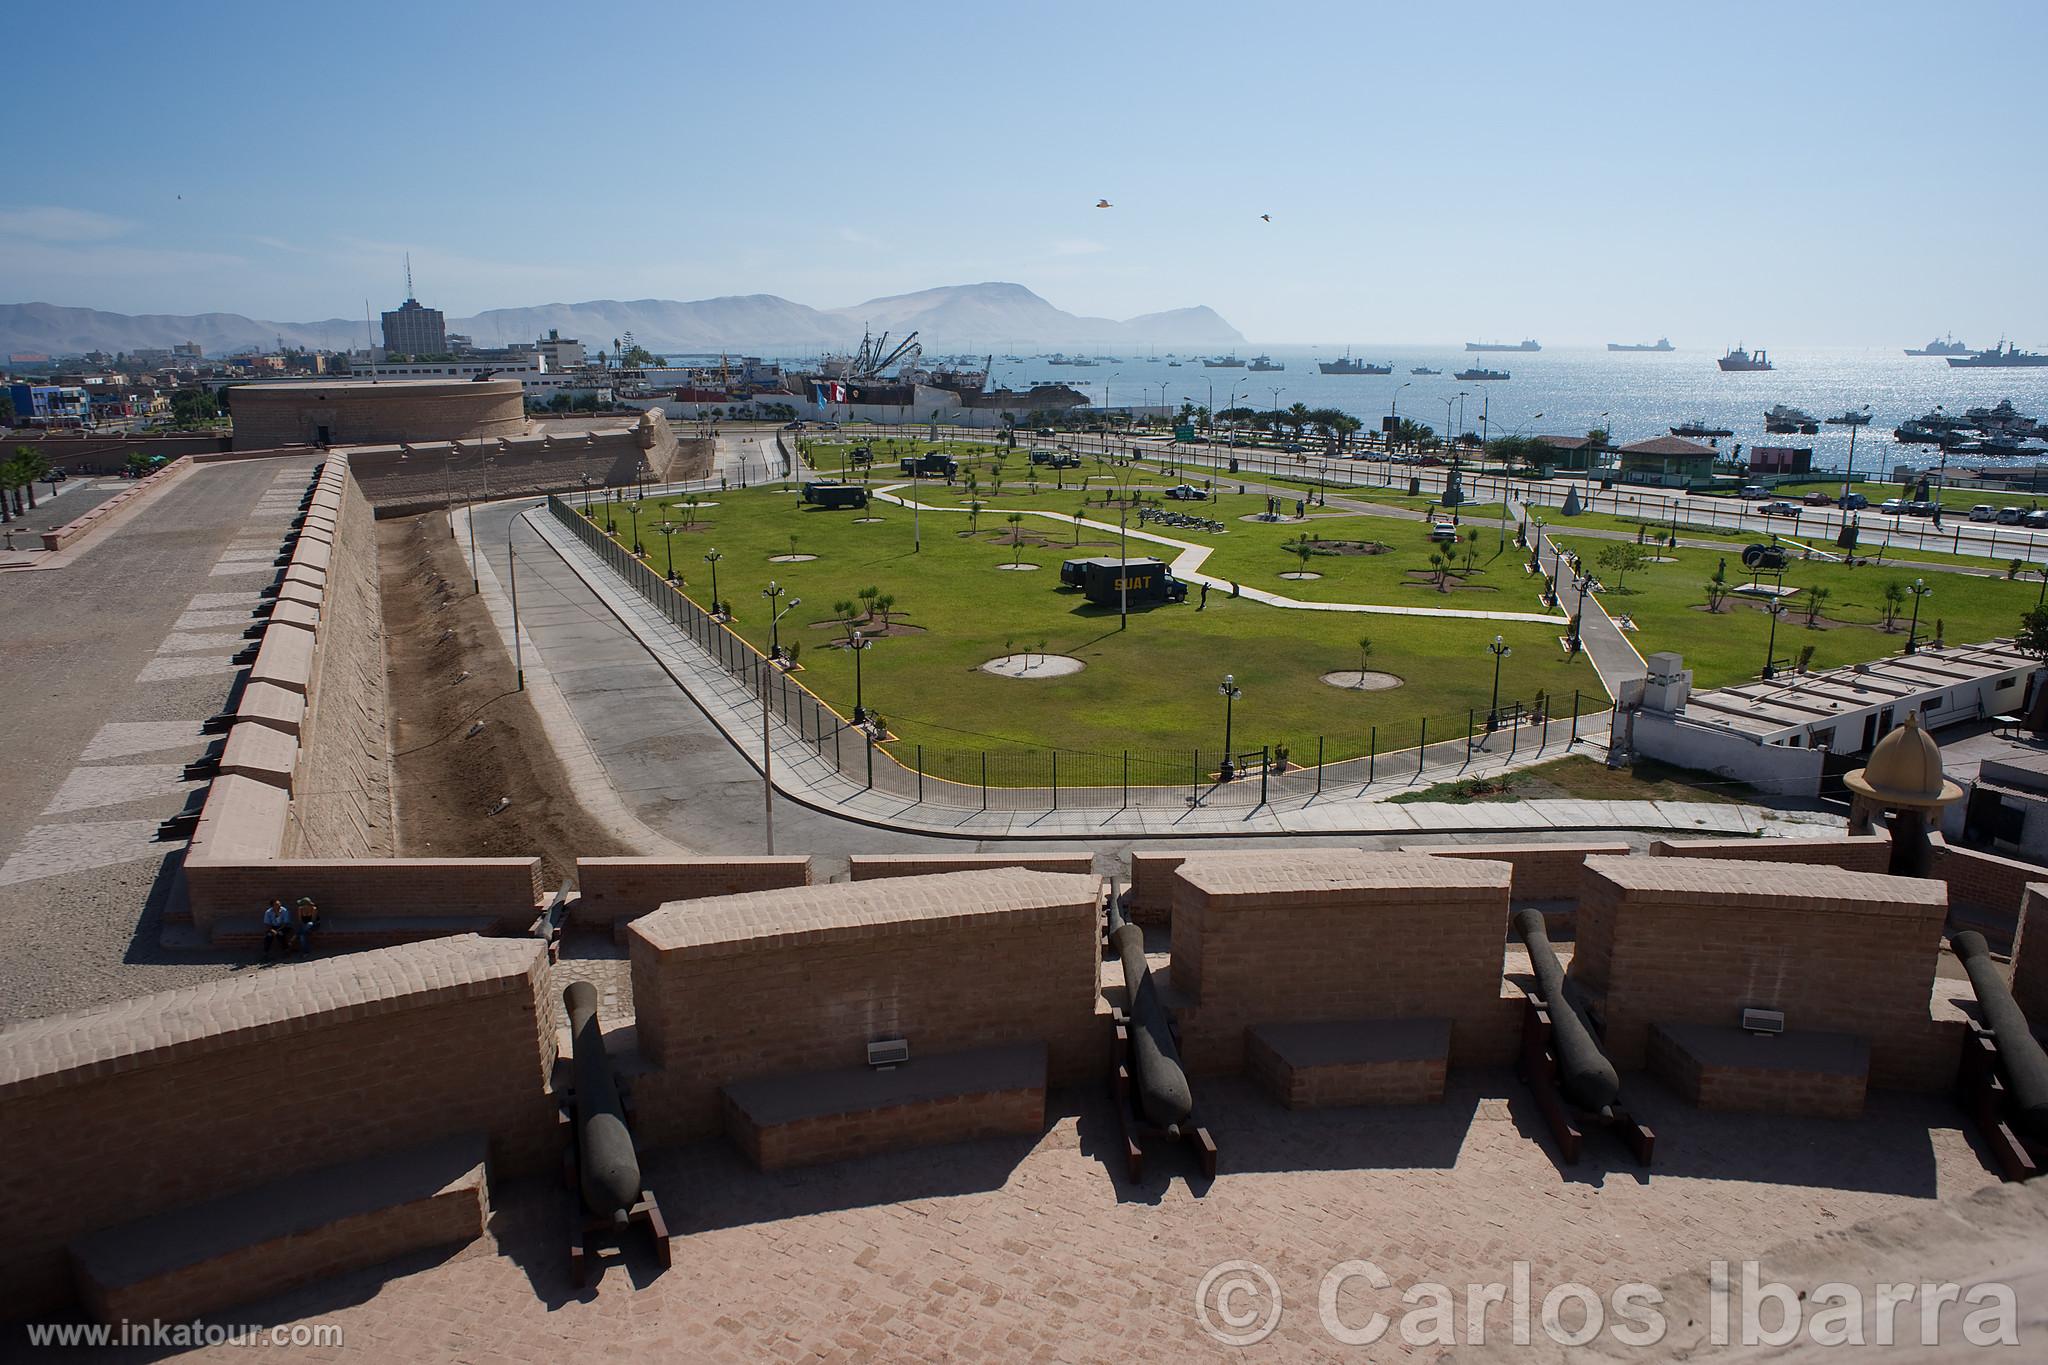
1786,421
1739,360
1946,345
1482,374
1265,364
1699,428
1851,418
1173,364
1424,369
1222,362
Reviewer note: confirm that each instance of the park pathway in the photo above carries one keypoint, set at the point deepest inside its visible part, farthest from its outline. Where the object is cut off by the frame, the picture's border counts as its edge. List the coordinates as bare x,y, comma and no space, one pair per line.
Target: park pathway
1612,656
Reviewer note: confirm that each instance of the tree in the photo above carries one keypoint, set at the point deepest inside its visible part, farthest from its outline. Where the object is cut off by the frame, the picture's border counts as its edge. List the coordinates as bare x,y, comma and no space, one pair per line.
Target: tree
974,507
10,481
1622,558
1894,598
844,609
1016,520
1079,513
1816,598
868,597
1304,547
1437,567
1364,656
1471,549
1298,417
1717,594
885,604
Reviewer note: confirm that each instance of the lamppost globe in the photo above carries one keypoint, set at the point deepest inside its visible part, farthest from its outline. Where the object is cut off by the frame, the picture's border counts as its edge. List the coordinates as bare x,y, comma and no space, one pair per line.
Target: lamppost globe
1230,692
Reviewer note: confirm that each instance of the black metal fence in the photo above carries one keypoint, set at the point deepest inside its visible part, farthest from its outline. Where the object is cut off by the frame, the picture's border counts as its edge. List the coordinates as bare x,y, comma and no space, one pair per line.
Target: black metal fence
1034,778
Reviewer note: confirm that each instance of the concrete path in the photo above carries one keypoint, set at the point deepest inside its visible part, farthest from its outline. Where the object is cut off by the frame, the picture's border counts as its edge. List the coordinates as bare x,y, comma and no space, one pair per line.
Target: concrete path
636,734
1612,656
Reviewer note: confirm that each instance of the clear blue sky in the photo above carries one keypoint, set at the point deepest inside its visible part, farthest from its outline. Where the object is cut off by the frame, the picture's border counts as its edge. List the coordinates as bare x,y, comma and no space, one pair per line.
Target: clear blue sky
1785,174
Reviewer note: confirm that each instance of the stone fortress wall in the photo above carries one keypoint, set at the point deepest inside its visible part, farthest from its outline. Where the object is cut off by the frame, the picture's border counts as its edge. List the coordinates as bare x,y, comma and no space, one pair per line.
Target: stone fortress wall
356,412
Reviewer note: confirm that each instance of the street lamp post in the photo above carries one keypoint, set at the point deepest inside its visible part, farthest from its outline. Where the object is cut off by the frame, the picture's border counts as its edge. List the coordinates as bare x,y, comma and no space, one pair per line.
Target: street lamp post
859,646
1123,567
1777,610
1394,415
1500,649
1919,589
1231,692
475,583
512,571
712,557
1849,469
586,494
773,592
635,509
668,531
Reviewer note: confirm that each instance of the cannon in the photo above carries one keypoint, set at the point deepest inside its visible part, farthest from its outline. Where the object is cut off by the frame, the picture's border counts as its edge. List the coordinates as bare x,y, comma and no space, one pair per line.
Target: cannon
2023,1064
608,1170
1583,1071
1152,1094
1163,1093
1562,1061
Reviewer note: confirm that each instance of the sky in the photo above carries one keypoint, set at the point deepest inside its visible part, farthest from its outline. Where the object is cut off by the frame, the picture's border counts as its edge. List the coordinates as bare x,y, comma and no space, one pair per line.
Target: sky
1783,174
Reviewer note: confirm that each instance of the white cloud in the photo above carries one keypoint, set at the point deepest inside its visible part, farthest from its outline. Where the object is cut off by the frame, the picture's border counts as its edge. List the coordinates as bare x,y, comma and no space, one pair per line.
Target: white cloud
52,223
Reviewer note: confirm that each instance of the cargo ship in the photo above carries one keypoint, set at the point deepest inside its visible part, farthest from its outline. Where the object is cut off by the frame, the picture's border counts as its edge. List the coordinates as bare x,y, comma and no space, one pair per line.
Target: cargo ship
1741,360
1265,364
1349,366
1698,428
2004,355
1946,345
1222,362
1525,344
1482,374
1663,344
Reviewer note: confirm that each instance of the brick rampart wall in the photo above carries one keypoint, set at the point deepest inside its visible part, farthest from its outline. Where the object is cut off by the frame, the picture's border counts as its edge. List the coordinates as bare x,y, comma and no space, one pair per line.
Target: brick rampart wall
165,1100
1695,940
507,891
866,867
613,889
342,806
1984,886
776,982
1543,872
1856,853
1333,935
109,454
75,530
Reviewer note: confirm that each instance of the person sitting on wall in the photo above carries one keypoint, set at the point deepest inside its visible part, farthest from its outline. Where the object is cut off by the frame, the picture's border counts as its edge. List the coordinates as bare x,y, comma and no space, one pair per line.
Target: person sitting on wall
277,925
309,920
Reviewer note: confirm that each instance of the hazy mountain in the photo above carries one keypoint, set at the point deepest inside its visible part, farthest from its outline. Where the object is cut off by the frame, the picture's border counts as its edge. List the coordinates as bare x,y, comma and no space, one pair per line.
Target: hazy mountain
958,316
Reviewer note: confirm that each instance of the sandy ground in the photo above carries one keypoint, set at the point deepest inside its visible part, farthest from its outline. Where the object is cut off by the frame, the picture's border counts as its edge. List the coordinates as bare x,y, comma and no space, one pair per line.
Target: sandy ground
448,780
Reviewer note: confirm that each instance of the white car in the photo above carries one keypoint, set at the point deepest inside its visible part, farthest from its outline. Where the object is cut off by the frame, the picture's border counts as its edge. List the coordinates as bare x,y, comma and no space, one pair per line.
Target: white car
1893,507
1983,511
1443,530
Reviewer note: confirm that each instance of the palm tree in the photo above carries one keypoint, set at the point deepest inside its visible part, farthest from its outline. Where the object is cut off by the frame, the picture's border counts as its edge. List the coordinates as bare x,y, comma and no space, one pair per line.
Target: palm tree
1894,598
974,516
1364,656
1438,565
868,597
844,609
10,479
1816,598
1301,546
883,606
1016,519
1299,417
1079,513
690,511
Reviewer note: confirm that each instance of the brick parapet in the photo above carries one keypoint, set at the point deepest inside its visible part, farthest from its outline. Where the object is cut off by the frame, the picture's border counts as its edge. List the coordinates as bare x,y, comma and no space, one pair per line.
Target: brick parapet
1542,872
2030,957
1852,853
612,890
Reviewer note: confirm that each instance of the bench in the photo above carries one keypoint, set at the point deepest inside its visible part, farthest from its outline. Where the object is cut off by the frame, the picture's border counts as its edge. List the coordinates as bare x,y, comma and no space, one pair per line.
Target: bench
1351,1061
816,1116
264,1240
1819,1075
358,931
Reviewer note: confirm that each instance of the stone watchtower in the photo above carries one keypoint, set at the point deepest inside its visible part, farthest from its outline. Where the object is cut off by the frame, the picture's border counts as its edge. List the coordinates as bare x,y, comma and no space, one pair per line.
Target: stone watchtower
1902,781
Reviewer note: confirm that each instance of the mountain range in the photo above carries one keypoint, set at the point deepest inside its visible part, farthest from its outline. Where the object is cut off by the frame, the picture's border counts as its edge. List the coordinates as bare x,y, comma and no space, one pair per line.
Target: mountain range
967,316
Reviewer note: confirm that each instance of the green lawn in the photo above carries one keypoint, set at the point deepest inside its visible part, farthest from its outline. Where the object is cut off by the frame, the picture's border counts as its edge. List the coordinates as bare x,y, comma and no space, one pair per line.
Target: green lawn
1150,688
1668,605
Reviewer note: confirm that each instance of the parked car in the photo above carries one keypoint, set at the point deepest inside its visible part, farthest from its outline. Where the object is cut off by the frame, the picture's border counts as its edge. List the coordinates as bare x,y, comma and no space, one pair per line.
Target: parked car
1921,507
1983,511
1294,447
792,426
2037,518
1185,492
1443,530
1778,509
1817,499
1893,506
1854,501
1754,492
2011,516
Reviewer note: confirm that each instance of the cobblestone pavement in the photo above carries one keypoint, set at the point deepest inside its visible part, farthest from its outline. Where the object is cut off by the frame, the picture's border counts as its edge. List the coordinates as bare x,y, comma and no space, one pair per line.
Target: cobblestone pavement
110,664
1039,1250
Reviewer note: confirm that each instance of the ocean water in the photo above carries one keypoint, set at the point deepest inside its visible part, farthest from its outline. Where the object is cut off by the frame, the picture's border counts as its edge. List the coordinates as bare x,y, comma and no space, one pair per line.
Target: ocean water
1566,391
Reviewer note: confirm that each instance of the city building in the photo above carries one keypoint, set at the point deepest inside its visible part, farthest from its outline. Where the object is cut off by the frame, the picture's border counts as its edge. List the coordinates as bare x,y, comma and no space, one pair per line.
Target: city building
51,405
1781,459
413,329
560,352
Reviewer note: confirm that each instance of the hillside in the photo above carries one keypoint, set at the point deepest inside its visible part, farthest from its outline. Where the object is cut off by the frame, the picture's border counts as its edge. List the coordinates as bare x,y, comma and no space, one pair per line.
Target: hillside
993,315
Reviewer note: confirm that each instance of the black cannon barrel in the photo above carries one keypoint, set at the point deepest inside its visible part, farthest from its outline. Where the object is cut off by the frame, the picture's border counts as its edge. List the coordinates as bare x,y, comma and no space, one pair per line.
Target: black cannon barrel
2019,1053
609,1169
1163,1093
1584,1073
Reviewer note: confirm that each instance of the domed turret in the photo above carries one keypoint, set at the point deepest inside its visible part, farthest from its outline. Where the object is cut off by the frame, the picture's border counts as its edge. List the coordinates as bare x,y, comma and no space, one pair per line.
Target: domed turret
1904,771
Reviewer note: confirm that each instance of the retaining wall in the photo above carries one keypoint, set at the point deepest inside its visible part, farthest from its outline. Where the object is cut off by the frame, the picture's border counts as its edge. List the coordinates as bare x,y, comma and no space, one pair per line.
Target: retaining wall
866,867
1855,853
166,1100
610,891
2030,959
1542,872
71,532
779,982
1984,886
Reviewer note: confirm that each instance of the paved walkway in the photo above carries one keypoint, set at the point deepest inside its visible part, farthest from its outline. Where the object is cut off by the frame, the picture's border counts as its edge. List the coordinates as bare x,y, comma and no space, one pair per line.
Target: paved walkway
802,774
1612,656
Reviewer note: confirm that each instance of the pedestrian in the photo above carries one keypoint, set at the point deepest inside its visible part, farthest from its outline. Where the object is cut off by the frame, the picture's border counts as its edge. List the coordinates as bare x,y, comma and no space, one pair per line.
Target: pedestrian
309,920
277,924
1300,509
1205,598
1233,587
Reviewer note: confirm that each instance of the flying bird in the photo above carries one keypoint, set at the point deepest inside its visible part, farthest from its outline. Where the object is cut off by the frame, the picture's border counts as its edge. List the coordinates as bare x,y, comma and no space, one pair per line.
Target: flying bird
1104,204
1266,217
